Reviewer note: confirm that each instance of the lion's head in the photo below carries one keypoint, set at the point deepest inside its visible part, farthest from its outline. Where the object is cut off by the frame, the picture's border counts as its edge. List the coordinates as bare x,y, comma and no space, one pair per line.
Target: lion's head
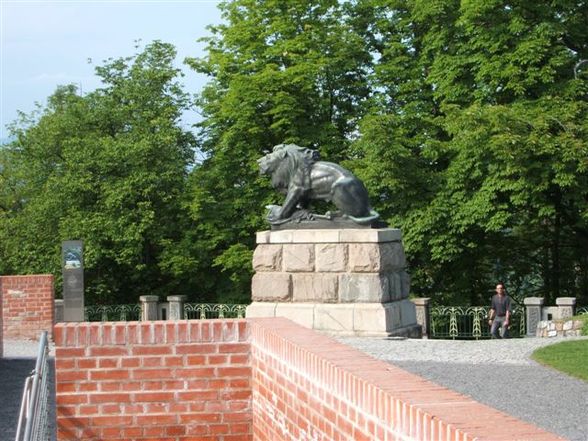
287,161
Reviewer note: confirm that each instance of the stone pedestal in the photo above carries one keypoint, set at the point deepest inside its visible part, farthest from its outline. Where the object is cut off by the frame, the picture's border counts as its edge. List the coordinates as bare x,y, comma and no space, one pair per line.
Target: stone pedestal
149,307
176,307
566,306
341,281
533,306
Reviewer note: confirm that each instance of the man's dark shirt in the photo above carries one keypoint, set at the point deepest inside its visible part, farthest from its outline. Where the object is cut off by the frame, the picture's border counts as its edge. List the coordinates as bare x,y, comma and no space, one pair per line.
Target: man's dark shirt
500,304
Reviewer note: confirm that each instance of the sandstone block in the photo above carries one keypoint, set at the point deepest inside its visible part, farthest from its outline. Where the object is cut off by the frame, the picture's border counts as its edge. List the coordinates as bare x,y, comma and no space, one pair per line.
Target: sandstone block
407,313
261,309
330,257
405,281
364,257
395,281
301,313
361,287
314,287
333,317
371,235
267,258
298,257
268,287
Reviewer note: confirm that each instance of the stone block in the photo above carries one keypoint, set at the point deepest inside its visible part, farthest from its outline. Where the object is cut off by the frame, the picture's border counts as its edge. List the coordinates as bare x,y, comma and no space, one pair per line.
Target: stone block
337,318
362,287
364,257
331,257
267,287
298,257
262,237
336,235
407,313
405,280
376,257
261,309
396,288
301,313
267,258
314,287
370,235
371,318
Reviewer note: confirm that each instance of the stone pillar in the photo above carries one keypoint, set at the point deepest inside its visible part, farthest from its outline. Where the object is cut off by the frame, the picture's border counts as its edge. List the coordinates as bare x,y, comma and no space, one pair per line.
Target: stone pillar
565,307
58,310
149,307
176,307
341,281
423,316
533,306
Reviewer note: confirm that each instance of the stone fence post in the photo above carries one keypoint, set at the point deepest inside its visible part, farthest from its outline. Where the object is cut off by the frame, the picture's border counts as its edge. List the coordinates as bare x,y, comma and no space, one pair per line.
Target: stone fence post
149,307
176,307
423,315
533,307
565,307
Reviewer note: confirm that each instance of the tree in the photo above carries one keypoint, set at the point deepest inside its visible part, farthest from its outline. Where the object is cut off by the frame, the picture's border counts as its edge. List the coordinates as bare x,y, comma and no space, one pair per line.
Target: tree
108,168
280,72
482,126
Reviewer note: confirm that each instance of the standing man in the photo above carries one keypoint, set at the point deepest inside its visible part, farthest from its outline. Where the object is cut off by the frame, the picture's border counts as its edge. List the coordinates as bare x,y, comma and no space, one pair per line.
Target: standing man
500,313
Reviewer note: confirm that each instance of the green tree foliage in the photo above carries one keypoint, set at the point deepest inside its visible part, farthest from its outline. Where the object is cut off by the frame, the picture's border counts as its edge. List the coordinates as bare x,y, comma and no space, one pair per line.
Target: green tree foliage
467,120
109,168
280,72
478,129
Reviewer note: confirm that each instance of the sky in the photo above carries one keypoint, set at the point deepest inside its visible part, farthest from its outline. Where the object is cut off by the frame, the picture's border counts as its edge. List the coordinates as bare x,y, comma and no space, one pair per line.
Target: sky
48,43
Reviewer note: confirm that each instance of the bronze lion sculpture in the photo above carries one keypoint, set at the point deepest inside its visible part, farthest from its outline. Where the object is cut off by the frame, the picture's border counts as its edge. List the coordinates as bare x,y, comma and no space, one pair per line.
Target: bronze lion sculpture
299,174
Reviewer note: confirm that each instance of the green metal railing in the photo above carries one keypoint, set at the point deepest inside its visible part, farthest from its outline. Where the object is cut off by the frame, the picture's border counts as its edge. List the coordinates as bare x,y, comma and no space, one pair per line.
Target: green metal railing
192,311
200,311
470,322
113,313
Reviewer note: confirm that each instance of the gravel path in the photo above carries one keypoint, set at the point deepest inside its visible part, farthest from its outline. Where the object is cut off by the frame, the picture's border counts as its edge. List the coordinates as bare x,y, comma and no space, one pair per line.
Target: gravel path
498,373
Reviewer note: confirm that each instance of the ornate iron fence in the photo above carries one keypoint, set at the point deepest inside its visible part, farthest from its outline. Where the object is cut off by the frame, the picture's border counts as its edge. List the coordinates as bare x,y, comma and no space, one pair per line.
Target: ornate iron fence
201,311
470,322
33,419
582,310
113,313
192,311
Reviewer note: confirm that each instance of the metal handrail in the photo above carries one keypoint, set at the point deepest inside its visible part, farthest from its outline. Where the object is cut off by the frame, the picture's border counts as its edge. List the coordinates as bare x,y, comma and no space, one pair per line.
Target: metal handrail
33,416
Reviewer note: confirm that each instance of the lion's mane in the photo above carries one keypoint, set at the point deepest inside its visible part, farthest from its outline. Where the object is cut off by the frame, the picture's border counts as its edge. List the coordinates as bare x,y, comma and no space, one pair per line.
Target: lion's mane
289,162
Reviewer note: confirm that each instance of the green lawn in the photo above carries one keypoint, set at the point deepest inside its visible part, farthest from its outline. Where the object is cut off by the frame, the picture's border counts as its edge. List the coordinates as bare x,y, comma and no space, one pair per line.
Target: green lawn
570,357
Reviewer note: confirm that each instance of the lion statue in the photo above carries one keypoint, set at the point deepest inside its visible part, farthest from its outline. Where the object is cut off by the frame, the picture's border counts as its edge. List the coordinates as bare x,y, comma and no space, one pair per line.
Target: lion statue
299,174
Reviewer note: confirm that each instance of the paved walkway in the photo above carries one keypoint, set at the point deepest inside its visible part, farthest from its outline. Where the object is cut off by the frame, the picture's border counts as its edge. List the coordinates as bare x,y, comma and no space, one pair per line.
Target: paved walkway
498,373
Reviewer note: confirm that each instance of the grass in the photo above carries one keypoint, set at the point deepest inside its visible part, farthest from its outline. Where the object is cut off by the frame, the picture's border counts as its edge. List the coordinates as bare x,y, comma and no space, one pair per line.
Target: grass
570,357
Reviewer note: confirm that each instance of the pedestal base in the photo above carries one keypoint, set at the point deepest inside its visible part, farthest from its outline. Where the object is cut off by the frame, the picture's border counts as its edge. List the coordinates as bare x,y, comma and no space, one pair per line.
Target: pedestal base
393,319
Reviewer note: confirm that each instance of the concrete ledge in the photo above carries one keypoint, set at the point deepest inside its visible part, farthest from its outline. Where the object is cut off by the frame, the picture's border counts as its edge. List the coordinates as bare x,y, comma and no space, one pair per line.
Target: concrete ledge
330,236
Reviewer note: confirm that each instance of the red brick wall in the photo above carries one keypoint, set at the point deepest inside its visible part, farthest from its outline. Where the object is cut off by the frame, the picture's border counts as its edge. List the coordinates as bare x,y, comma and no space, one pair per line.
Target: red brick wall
254,380
153,381
27,306
306,386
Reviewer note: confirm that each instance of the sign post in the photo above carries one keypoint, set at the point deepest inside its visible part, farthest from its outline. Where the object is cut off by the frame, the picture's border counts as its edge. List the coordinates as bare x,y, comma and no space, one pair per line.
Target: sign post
73,280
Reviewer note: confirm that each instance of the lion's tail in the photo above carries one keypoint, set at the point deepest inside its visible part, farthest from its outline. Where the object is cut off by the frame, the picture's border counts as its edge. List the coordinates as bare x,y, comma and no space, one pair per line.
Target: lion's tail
374,216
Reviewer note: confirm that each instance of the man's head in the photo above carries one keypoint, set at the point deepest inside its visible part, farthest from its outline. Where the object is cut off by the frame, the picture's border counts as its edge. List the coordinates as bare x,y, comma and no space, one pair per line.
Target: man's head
500,289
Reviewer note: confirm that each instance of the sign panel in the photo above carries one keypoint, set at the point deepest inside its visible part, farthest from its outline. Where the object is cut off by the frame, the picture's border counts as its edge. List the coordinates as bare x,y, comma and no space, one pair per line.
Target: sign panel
72,258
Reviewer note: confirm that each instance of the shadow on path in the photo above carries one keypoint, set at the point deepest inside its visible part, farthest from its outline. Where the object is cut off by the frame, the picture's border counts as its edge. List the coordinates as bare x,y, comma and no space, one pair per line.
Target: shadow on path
13,372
